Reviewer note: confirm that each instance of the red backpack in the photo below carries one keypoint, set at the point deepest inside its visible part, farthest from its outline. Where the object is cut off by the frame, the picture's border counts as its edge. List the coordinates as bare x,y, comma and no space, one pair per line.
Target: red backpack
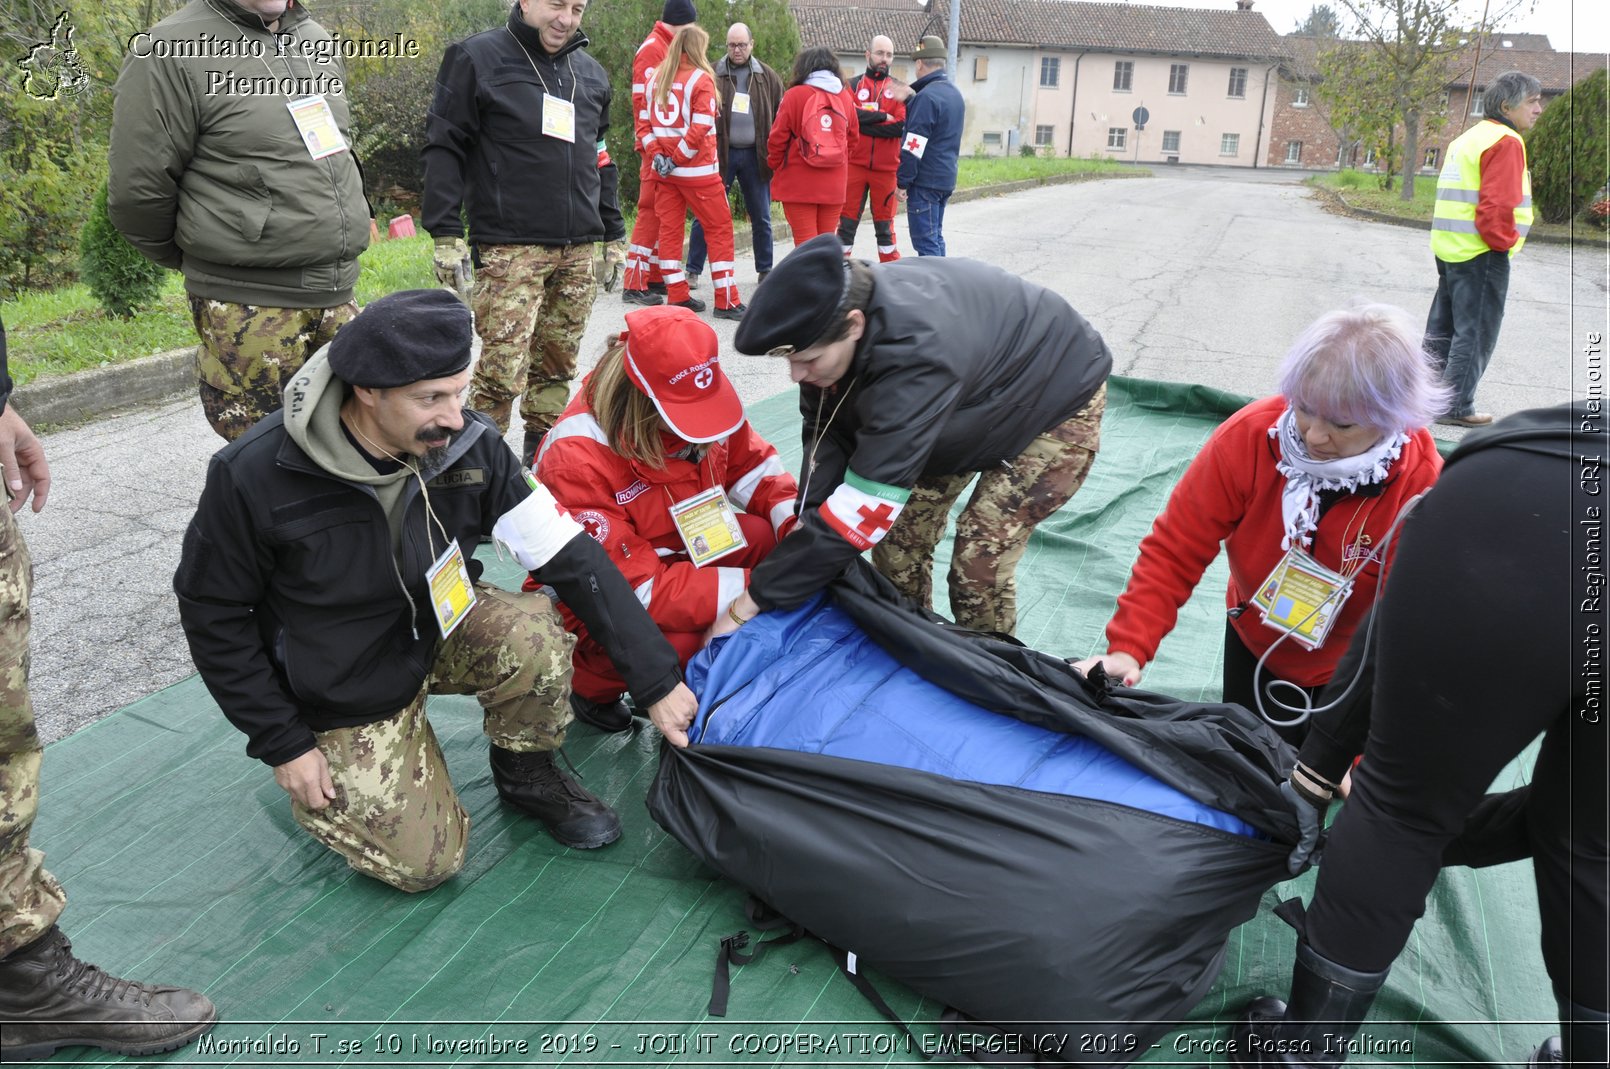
823,131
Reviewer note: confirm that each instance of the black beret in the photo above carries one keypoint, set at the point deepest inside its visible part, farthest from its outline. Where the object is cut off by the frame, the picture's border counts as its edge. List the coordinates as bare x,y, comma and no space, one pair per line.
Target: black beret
402,338
678,13
800,300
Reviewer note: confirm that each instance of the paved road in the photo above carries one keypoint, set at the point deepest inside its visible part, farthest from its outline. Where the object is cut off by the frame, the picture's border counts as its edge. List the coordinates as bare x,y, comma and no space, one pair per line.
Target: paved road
1200,277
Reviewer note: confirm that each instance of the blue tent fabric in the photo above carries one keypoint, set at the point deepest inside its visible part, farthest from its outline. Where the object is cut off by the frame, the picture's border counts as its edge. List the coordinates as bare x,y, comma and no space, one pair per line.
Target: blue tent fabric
812,681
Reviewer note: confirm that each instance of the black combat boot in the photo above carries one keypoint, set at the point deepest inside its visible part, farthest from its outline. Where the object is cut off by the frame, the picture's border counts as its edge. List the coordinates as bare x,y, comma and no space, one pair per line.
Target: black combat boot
49,1000
572,814
1582,1039
605,716
530,447
1328,1004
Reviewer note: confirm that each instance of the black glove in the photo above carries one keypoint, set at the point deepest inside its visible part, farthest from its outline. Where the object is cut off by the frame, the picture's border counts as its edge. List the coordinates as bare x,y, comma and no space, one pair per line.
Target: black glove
663,165
1301,792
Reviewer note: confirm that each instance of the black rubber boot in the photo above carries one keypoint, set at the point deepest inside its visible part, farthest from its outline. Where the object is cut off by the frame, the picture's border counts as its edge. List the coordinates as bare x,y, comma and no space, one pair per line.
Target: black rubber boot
692,304
1582,1039
572,814
530,446
49,999
1328,1004
605,716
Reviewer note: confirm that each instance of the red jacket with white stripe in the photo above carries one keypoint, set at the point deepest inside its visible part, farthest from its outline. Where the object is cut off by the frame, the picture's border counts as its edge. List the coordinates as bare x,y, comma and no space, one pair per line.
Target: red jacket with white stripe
649,56
626,507
684,127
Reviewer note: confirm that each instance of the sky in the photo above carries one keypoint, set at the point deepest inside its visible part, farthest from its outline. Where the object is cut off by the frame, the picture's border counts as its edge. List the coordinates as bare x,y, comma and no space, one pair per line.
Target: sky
1571,25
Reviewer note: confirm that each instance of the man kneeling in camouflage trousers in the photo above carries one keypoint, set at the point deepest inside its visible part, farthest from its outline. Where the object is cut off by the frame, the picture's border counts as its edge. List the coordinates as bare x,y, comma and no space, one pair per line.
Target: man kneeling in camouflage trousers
324,594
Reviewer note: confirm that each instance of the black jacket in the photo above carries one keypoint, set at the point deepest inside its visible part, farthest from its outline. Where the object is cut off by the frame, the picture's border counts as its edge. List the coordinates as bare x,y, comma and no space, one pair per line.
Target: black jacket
485,150
291,598
961,366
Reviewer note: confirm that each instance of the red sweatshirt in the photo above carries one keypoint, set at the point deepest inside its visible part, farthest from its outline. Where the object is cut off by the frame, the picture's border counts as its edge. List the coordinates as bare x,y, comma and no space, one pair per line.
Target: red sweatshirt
1501,169
1231,494
649,55
793,181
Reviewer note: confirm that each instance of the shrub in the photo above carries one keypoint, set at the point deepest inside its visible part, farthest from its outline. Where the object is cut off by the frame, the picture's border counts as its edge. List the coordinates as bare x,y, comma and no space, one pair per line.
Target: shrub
121,279
1027,151
1568,150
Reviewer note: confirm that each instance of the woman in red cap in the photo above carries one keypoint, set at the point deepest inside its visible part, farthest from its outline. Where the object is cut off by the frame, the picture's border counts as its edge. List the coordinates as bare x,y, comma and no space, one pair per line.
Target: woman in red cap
682,107
655,458
810,145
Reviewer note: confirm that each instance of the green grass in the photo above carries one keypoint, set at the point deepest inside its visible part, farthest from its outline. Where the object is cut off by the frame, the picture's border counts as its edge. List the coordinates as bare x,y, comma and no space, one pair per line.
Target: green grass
1363,190
54,332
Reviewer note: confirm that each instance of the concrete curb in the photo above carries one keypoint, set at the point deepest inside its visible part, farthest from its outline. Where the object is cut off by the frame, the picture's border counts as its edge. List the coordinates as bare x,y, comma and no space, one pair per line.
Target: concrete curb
1342,206
82,396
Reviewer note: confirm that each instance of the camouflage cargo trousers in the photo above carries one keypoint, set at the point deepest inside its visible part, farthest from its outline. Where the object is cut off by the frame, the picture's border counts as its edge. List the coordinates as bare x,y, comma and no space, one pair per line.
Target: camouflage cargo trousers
395,815
30,898
531,306
249,352
993,530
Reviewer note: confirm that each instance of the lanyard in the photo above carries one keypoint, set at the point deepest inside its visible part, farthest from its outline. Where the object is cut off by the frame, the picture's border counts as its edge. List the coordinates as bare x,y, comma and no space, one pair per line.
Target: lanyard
568,64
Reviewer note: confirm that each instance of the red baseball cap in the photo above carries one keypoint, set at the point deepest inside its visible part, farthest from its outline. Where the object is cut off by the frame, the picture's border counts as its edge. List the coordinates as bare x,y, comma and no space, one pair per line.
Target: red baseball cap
673,356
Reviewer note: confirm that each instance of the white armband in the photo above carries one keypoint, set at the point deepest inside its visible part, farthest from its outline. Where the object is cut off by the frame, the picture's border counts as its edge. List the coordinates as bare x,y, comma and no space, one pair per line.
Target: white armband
536,529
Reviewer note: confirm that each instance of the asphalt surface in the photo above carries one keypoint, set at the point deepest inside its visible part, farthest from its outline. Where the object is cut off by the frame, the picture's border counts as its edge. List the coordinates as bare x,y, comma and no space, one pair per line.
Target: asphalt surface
1199,276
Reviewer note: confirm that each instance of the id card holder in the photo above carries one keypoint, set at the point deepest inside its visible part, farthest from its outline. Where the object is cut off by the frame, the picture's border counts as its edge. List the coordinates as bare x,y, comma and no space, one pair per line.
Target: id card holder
740,103
558,118
452,595
708,526
316,123
1303,597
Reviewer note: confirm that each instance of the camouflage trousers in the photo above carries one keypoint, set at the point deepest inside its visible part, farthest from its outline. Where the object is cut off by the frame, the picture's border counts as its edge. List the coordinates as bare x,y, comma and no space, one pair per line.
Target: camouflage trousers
249,352
993,530
395,816
531,306
30,898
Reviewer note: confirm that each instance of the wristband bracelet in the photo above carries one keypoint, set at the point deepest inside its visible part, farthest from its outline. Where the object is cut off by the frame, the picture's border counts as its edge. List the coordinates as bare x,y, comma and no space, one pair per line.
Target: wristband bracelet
732,614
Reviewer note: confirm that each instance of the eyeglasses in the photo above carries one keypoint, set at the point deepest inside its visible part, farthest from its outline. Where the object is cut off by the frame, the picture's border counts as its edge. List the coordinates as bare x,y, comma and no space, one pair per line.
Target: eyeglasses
740,44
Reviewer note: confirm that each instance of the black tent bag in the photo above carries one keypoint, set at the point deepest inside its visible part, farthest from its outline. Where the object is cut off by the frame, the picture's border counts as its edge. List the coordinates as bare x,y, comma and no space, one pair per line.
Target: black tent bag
1078,926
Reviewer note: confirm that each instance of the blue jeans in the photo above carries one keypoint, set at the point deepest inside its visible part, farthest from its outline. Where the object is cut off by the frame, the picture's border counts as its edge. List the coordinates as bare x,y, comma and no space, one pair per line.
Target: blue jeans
1462,329
925,218
743,166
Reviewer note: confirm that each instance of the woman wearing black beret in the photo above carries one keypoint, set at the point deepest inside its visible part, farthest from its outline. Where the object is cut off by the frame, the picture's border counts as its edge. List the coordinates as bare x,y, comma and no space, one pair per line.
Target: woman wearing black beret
914,377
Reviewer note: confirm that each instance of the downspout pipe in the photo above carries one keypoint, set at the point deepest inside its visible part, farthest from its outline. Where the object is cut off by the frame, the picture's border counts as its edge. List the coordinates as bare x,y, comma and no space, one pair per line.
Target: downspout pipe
1073,112
1263,106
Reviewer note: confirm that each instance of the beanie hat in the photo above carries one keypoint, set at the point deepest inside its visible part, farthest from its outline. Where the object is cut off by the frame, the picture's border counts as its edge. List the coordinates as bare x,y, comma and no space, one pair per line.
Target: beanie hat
678,13
930,47
675,358
800,302
403,338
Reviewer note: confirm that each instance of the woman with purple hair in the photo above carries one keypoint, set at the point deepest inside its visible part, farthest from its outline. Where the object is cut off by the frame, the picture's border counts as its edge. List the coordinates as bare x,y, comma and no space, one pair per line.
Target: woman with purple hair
1301,489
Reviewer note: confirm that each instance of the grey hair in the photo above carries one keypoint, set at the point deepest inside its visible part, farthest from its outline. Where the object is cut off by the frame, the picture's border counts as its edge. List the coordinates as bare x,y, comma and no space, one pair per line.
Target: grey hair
1364,365
1508,91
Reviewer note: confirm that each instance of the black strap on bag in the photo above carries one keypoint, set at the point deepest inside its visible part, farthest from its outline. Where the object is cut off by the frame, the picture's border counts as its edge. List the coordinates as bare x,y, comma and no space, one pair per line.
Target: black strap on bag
732,951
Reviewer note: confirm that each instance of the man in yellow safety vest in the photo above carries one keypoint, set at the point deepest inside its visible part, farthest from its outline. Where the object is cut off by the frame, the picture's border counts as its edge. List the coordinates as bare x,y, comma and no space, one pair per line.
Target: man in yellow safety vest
1482,214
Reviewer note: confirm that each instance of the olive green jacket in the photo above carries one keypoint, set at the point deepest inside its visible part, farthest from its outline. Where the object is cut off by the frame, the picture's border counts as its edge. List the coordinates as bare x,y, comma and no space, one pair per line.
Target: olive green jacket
209,174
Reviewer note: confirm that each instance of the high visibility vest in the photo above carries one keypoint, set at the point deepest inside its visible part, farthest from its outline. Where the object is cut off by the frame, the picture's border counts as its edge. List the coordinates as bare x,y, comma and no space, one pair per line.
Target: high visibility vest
1453,219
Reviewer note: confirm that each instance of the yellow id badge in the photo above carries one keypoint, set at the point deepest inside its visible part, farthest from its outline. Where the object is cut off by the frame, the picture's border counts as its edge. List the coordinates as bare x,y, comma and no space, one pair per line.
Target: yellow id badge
316,123
452,595
708,526
740,103
1304,597
558,118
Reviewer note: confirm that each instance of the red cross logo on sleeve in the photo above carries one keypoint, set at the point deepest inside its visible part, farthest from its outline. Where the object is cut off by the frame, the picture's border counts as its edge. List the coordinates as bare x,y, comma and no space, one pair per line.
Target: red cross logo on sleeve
875,520
912,143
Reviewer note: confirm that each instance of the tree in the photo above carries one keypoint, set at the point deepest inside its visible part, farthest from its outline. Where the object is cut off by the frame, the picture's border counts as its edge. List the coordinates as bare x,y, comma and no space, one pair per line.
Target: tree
1412,43
1322,21
120,277
1569,149
1352,90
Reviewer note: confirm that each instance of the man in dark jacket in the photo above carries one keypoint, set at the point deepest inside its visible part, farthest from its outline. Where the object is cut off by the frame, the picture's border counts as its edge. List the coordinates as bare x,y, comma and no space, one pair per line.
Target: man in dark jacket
49,998
261,207
880,101
750,93
325,594
932,146
515,139
915,376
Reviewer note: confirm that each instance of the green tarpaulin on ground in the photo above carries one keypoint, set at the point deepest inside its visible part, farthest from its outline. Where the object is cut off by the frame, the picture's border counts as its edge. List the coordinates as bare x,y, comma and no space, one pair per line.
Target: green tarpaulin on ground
182,864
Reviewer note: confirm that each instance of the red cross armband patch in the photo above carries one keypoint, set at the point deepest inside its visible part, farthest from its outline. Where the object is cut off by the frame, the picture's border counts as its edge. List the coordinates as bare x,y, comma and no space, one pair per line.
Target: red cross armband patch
915,144
862,511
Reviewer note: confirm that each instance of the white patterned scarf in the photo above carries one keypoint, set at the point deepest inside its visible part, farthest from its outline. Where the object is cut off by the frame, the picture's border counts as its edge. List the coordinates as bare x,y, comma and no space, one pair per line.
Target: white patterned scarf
1307,477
